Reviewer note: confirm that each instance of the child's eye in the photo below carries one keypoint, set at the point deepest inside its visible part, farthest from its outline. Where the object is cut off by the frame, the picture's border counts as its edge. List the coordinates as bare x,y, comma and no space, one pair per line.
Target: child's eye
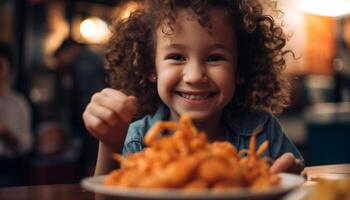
177,57
215,58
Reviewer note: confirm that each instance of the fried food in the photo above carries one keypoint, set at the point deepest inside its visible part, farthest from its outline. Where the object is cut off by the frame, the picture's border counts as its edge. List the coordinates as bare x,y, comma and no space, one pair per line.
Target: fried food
186,160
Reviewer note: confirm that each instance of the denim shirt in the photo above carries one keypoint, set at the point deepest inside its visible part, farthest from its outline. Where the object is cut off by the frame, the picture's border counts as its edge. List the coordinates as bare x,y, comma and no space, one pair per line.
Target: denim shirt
239,130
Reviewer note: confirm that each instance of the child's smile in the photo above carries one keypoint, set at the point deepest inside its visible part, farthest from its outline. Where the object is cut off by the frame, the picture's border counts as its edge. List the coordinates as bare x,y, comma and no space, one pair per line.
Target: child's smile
196,98
196,66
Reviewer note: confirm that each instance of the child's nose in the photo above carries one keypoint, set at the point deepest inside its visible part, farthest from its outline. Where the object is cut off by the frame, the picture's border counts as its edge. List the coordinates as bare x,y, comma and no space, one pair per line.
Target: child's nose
194,73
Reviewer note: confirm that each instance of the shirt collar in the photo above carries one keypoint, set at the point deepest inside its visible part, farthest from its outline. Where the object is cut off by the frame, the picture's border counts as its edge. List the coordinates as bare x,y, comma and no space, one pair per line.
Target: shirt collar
162,114
243,123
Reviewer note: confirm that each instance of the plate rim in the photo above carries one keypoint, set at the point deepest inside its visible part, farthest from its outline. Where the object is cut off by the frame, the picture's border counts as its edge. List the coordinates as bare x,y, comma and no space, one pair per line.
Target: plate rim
89,183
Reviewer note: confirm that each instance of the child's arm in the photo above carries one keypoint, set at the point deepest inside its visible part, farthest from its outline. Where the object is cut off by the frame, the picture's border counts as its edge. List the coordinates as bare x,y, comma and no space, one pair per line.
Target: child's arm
285,154
107,117
104,162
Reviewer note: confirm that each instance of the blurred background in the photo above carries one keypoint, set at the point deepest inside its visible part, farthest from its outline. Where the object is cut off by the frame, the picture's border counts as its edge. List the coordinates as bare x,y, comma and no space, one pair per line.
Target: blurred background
57,49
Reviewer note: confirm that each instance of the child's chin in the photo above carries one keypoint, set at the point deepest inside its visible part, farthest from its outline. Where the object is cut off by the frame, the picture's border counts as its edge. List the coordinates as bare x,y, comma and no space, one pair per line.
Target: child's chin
198,116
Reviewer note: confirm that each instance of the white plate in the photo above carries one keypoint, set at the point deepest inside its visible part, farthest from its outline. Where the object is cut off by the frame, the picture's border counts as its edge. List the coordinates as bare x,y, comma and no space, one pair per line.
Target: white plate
95,184
299,194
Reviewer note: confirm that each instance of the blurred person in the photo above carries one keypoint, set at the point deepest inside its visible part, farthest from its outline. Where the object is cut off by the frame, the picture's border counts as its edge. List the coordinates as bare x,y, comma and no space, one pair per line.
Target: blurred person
342,66
51,140
15,125
80,74
55,149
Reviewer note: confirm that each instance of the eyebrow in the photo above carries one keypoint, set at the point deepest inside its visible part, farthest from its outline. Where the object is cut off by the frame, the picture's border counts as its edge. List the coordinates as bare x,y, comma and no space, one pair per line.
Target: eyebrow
211,47
219,46
175,46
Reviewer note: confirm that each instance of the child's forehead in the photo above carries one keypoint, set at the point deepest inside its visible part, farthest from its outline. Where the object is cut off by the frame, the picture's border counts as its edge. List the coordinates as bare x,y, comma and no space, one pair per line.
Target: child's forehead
216,20
188,33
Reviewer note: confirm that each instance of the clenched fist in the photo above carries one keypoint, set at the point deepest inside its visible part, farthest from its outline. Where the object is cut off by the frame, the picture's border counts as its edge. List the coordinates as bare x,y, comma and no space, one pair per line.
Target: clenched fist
108,115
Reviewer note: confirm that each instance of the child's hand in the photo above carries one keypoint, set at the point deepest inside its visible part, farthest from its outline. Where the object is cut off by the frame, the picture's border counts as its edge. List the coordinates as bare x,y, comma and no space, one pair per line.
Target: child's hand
108,115
287,163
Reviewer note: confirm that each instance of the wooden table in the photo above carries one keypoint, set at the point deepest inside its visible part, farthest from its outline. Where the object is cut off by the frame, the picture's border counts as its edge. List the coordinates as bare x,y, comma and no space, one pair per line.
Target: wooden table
50,192
75,192
334,172
46,192
327,171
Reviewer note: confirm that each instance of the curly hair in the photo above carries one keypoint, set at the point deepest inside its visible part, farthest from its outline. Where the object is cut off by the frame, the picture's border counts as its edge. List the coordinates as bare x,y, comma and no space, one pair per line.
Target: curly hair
261,57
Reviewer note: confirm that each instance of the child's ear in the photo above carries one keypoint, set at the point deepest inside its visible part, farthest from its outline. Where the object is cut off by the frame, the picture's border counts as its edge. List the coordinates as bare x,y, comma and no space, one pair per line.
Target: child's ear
152,78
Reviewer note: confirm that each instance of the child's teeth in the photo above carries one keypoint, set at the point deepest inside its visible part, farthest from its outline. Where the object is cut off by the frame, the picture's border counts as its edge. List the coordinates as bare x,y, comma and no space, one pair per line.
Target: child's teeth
194,97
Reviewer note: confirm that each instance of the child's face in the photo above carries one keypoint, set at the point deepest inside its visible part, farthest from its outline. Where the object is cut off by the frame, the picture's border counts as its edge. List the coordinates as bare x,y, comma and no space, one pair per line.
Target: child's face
196,69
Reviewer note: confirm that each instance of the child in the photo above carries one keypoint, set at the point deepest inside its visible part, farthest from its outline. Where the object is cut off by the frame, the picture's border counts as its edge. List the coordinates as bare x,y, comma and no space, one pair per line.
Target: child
219,61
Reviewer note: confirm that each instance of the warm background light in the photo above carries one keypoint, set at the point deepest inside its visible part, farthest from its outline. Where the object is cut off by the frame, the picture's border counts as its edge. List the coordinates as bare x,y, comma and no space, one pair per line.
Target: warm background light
125,8
330,8
94,30
129,8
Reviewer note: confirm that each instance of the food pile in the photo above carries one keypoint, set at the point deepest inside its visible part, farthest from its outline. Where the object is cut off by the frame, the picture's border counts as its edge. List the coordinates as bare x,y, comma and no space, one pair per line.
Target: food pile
185,159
